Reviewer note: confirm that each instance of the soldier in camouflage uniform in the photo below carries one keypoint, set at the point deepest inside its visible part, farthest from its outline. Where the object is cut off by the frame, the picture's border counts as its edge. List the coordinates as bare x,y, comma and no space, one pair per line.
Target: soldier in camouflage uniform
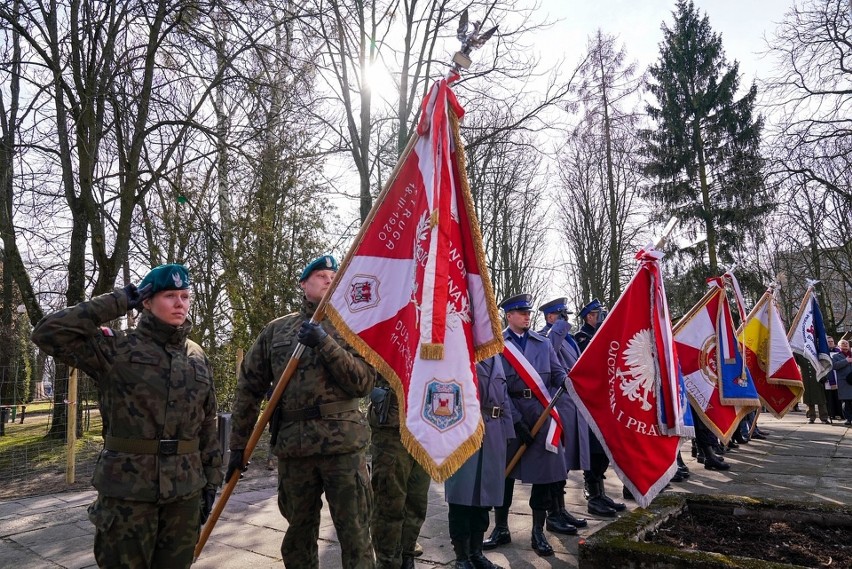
321,435
161,464
400,485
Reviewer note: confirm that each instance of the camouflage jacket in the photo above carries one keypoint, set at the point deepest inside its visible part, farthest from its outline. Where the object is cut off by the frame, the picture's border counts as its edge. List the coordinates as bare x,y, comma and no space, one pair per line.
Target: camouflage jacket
331,372
153,383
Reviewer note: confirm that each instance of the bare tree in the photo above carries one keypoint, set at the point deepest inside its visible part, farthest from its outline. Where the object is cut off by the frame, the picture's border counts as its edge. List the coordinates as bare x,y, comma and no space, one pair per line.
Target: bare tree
809,96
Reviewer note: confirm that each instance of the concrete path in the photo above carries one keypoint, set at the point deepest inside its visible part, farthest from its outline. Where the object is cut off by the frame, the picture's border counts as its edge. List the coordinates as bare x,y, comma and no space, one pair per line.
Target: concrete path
798,461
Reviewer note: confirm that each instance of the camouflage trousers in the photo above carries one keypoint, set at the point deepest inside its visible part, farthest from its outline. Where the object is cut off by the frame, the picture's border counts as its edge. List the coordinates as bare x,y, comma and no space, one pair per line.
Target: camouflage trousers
401,489
145,535
344,480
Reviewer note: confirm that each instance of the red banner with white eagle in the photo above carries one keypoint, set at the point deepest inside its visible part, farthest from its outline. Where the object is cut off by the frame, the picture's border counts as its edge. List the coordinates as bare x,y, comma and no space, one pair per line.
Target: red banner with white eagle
628,386
413,295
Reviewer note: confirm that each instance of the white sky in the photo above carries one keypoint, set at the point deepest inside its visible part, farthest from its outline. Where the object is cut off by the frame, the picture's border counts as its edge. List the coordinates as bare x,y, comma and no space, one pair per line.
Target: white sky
742,23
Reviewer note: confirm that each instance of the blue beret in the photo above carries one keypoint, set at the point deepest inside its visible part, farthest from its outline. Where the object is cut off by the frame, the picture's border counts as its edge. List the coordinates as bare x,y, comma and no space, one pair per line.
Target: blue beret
166,277
517,302
318,264
595,304
555,305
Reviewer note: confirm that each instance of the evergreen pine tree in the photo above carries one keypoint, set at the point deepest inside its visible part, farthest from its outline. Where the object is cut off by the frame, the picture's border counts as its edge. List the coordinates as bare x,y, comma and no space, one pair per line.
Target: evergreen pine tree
703,154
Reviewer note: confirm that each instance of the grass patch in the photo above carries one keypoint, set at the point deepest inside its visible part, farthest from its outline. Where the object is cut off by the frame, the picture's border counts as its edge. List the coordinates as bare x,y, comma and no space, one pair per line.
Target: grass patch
26,449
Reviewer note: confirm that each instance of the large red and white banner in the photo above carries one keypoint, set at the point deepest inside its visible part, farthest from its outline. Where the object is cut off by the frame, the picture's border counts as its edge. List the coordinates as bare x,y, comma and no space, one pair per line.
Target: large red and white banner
628,386
710,359
769,357
413,295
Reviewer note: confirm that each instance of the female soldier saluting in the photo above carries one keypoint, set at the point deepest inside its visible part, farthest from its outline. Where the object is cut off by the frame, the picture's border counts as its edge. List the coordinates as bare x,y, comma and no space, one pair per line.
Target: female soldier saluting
161,463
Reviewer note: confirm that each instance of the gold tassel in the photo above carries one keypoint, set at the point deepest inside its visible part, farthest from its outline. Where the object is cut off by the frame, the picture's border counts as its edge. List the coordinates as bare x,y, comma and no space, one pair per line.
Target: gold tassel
431,351
433,219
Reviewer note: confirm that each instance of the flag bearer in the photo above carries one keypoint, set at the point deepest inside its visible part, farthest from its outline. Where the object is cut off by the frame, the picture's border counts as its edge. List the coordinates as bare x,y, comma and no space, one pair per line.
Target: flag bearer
161,463
321,435
545,470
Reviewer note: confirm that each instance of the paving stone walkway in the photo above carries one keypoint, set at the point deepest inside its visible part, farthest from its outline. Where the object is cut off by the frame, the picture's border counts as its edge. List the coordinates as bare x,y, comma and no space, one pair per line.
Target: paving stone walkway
810,462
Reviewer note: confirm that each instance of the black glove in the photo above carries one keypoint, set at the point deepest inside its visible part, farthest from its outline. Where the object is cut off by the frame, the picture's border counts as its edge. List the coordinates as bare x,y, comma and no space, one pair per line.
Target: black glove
135,296
235,463
208,496
311,334
523,433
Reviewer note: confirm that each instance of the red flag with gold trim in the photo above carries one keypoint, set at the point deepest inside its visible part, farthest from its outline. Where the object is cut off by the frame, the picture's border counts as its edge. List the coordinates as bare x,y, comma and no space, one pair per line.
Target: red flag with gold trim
413,295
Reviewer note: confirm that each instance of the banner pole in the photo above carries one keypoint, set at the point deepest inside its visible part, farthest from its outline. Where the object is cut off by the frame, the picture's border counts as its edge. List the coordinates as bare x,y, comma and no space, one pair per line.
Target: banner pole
536,428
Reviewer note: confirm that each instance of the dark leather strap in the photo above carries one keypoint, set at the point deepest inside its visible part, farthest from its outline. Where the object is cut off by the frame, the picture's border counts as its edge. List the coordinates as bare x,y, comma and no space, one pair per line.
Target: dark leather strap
149,446
525,394
319,411
493,412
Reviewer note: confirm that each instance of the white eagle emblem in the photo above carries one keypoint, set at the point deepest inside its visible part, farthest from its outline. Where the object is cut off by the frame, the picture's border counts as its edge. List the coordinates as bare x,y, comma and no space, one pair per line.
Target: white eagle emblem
638,382
176,278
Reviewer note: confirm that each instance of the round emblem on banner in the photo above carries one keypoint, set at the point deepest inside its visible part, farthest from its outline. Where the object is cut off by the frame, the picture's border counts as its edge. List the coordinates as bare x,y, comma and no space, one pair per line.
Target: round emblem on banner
707,361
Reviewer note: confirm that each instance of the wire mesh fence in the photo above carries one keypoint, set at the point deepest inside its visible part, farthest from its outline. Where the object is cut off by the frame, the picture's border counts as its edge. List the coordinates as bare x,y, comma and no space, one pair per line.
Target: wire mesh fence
35,458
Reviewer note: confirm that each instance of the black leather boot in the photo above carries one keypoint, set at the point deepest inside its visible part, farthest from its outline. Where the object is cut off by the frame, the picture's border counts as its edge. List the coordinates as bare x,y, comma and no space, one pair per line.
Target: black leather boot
461,547
598,506
555,523
566,515
627,494
538,539
682,469
477,559
713,462
617,506
500,535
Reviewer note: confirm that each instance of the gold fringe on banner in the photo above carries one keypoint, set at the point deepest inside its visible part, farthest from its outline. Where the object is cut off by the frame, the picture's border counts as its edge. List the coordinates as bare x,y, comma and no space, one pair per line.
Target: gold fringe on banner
495,345
432,351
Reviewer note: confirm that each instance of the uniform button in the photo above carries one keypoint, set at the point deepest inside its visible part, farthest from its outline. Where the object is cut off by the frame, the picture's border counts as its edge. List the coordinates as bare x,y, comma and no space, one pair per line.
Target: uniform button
171,403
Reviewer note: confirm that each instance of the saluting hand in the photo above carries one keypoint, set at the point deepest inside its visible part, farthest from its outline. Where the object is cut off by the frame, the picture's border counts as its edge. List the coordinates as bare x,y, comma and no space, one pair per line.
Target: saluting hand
135,296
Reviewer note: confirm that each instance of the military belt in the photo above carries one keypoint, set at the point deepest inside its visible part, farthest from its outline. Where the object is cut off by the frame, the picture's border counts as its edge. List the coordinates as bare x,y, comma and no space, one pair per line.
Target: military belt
319,411
493,412
165,447
524,394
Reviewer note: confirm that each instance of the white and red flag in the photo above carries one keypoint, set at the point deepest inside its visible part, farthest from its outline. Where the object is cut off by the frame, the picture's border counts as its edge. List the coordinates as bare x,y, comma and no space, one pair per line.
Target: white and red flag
769,357
628,386
534,383
413,295
718,383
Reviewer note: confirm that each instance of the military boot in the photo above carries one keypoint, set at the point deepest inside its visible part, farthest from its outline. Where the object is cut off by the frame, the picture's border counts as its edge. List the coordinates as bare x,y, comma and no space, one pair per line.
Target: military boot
713,462
461,547
555,523
566,515
407,562
477,559
617,506
598,506
500,535
538,539
682,469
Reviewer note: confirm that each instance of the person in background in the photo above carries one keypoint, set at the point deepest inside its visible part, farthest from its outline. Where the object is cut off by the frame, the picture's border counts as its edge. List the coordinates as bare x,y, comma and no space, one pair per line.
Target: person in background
832,401
400,485
842,365
160,467
477,486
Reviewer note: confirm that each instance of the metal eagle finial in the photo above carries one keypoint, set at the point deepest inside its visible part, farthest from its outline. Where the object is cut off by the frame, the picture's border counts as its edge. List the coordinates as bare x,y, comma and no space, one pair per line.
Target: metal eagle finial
469,41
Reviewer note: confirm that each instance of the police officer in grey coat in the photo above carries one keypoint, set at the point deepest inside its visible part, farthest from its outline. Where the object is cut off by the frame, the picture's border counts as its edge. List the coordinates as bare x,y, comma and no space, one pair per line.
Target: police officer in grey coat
477,486
538,466
575,430
599,503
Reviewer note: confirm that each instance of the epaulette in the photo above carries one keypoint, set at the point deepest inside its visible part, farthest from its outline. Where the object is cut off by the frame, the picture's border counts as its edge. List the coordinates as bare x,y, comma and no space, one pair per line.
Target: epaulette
106,331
